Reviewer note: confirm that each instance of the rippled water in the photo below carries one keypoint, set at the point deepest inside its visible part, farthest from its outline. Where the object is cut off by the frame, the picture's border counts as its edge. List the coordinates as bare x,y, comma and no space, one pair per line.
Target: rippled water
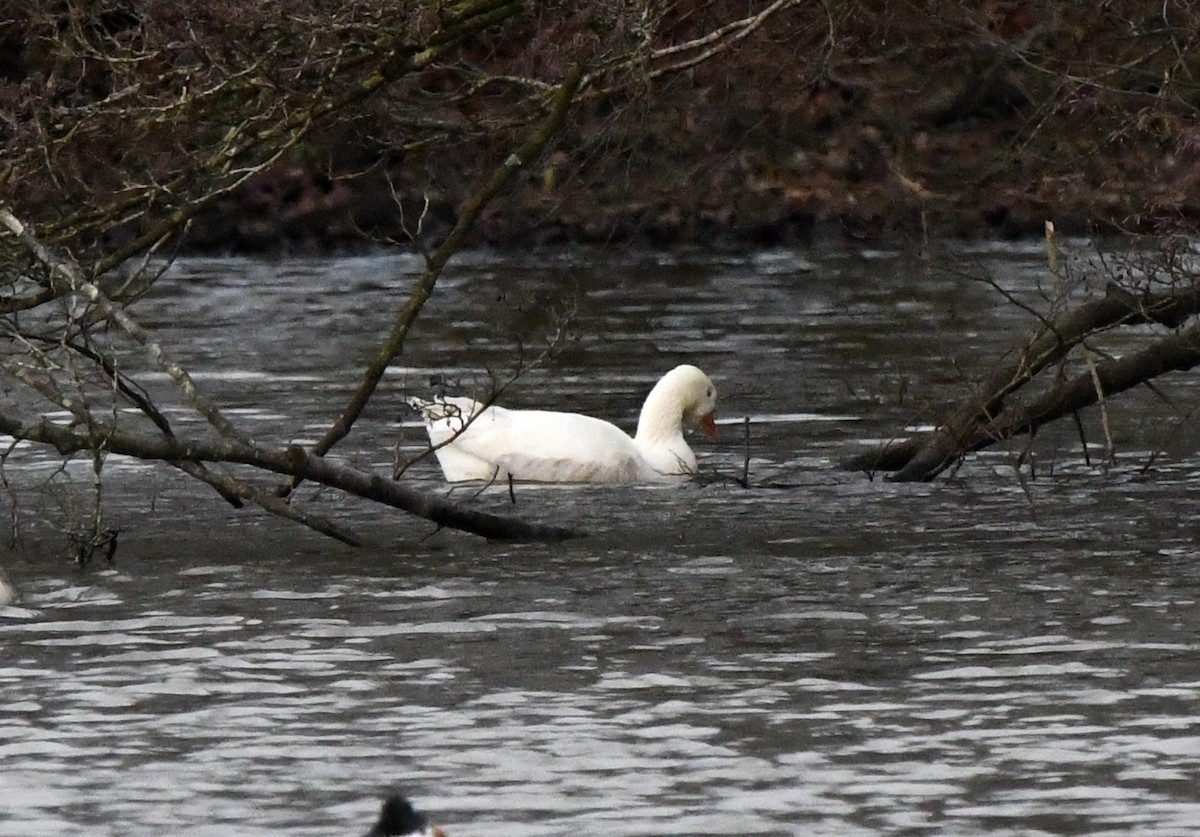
819,654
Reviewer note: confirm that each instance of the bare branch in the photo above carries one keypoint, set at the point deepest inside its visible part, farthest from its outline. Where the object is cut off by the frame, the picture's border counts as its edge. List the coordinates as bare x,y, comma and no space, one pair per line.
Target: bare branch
987,416
436,262
294,462
66,279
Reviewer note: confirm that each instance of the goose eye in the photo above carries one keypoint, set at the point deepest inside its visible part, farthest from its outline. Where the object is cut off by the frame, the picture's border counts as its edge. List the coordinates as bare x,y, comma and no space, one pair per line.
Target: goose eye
710,392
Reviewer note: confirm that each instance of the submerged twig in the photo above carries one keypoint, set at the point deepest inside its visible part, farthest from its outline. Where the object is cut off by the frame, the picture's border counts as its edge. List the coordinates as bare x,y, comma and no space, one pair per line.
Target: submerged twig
746,460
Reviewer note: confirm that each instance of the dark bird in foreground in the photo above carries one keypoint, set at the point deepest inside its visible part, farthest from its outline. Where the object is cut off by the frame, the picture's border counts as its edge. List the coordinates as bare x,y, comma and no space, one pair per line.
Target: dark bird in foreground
398,818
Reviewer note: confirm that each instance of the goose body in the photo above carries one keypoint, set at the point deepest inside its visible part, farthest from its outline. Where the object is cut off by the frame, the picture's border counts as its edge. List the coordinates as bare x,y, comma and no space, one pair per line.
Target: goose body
474,442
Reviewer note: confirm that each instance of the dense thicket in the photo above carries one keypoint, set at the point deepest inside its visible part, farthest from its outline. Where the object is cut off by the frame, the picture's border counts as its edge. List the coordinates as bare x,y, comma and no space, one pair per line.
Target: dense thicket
868,116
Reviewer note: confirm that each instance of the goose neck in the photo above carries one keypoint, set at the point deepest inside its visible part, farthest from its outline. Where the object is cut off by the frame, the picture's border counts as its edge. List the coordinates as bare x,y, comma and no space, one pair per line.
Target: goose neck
661,418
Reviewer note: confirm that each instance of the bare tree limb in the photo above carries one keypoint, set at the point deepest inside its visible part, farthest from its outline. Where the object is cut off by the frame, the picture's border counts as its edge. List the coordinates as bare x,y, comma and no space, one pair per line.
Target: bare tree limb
987,417
65,279
715,42
236,490
924,457
294,462
436,262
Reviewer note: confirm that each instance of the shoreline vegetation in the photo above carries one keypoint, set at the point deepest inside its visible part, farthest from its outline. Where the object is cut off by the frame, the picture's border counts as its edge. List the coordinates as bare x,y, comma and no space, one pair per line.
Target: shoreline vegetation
894,125
856,119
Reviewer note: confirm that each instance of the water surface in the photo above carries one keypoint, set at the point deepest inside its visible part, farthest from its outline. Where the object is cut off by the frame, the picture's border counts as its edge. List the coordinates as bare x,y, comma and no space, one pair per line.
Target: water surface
819,654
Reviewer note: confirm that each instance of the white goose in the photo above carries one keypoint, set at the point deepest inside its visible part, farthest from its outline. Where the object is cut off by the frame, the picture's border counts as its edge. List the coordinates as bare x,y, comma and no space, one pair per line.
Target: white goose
8,593
474,442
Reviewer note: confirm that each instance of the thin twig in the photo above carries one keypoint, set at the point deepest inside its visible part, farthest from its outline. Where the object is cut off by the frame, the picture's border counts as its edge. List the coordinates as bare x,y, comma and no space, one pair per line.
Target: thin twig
746,460
66,279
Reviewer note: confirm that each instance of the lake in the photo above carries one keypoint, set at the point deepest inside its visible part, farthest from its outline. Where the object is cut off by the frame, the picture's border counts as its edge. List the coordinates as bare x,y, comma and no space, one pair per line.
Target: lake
1012,650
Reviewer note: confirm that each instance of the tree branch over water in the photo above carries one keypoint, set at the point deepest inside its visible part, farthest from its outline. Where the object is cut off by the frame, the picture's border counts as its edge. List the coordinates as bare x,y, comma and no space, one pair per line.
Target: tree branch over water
104,437
436,261
993,411
129,128
293,461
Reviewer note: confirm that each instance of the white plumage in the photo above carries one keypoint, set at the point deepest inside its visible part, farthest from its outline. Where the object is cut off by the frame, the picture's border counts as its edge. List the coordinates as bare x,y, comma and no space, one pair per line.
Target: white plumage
478,443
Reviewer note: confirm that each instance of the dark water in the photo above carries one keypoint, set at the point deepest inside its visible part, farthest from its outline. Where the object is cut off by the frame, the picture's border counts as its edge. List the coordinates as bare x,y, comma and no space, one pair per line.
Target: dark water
821,654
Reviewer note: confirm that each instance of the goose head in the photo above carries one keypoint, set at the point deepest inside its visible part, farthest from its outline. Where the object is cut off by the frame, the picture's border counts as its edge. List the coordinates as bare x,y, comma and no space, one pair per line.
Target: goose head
703,404
685,394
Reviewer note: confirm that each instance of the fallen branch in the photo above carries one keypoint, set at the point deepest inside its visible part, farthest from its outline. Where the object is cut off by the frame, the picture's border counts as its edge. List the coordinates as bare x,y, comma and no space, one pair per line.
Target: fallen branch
984,417
293,461
1173,353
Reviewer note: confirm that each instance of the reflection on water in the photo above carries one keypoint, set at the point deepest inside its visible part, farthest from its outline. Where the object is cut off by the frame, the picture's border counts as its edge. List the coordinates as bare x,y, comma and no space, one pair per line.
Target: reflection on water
836,656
